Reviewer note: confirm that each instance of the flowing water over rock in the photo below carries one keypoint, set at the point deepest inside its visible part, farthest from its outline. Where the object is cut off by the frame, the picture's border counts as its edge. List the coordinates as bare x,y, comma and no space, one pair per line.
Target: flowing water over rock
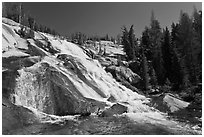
53,87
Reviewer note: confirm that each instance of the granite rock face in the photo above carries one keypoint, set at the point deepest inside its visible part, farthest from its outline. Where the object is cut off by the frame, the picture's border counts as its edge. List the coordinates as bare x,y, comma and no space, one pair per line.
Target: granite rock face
122,73
45,74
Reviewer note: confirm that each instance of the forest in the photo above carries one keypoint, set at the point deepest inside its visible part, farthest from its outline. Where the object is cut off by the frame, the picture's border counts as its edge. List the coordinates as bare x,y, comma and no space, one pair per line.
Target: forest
168,59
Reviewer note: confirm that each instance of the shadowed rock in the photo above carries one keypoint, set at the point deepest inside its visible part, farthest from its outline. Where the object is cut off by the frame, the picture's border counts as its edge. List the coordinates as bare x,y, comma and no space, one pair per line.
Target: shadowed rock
123,73
113,110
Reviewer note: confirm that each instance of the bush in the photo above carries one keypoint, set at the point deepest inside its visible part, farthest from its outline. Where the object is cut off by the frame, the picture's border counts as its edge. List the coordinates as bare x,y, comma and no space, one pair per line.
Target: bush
24,32
192,94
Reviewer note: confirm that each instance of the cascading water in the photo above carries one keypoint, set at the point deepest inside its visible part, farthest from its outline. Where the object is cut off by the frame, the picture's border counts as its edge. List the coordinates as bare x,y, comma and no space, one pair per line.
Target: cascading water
54,89
32,92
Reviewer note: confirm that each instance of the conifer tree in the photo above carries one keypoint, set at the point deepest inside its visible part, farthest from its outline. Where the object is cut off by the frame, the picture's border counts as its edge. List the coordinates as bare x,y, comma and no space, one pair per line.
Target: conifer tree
107,37
186,47
145,75
36,27
31,22
133,44
174,35
129,42
147,43
126,43
11,11
197,45
167,53
153,78
155,36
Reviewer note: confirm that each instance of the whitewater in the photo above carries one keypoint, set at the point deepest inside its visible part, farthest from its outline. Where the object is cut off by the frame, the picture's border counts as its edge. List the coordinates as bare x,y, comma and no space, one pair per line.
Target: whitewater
87,80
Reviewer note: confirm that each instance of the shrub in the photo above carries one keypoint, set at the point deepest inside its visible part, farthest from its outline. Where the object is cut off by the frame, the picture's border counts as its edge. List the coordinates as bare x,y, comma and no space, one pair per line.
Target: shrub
24,32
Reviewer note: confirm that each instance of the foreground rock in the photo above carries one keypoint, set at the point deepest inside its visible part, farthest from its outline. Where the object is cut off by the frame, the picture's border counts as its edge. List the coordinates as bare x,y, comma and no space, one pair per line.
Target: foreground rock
49,87
168,103
14,117
113,110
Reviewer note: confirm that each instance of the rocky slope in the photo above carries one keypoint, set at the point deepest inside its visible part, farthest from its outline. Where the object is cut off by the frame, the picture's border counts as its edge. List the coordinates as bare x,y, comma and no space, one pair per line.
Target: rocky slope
55,76
49,80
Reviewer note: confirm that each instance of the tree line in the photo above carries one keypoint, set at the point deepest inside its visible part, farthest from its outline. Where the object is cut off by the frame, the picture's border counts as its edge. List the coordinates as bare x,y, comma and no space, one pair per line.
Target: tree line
167,57
16,12
81,38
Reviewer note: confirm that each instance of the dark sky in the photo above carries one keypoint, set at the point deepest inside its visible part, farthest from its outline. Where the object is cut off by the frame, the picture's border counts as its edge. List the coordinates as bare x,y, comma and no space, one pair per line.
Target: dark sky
105,18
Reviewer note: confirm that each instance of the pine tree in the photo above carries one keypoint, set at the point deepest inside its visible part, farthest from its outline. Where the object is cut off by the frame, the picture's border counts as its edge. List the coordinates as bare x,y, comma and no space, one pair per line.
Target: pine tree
133,44
12,11
153,78
197,45
167,53
20,13
145,75
126,43
147,43
155,36
129,42
31,22
185,46
174,35
36,27
107,37
176,76
41,28
197,25
159,67
177,73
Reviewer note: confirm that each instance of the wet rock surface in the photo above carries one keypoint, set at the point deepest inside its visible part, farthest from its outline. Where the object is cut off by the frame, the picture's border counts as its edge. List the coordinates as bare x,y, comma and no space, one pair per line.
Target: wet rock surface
114,110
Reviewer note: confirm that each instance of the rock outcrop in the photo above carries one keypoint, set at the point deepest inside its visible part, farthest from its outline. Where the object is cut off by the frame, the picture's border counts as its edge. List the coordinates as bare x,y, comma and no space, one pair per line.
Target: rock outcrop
114,110
49,75
122,73
168,103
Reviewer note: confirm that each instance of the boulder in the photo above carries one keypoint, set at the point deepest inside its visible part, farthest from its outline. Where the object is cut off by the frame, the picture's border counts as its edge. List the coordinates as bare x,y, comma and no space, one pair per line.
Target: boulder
111,99
104,62
173,103
48,90
14,117
53,91
113,110
122,73
168,103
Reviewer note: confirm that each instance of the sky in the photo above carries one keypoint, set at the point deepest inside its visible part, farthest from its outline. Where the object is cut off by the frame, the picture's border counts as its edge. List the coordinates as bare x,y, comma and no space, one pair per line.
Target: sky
105,18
